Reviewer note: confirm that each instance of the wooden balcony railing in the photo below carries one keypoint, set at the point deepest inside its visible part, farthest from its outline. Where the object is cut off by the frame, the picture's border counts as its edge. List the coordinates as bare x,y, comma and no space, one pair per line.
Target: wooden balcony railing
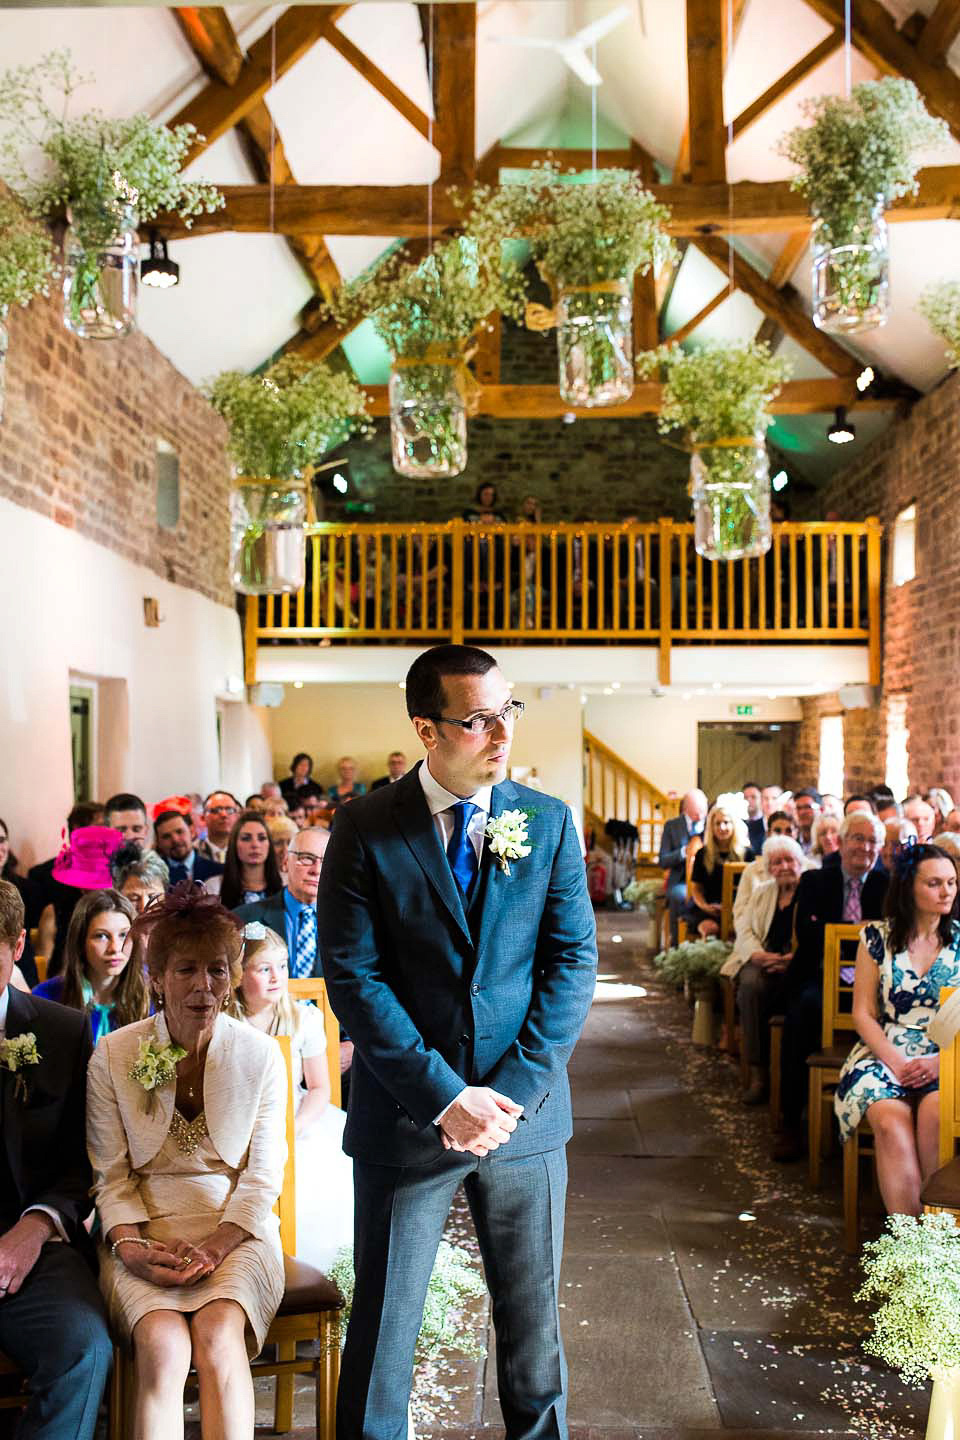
613,790
588,583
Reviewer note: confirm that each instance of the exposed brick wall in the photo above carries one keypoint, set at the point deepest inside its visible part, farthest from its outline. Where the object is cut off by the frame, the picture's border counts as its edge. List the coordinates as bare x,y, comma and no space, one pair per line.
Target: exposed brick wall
78,444
864,745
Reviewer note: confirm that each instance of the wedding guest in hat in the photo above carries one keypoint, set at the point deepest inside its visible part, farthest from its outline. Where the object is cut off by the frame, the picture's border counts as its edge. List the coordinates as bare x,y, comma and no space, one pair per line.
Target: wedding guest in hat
83,864
101,974
174,843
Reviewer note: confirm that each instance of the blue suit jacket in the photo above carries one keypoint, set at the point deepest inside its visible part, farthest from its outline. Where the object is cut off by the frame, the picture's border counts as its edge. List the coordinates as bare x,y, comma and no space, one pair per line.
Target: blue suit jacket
435,998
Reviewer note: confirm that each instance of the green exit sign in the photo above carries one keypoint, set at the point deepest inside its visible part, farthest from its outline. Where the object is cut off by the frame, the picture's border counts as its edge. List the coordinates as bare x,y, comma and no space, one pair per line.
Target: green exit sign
745,710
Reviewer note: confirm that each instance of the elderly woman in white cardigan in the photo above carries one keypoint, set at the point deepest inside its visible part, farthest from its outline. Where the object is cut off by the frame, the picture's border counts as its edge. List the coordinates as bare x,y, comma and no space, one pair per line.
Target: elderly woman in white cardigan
761,954
186,1132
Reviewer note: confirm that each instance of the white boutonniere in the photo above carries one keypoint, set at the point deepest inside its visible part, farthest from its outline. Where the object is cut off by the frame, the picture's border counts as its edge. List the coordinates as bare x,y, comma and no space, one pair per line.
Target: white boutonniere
507,834
155,1066
15,1053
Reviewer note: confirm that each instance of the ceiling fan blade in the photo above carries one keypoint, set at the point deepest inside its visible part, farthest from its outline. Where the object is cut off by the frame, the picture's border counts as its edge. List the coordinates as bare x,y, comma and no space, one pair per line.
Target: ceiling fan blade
599,28
582,67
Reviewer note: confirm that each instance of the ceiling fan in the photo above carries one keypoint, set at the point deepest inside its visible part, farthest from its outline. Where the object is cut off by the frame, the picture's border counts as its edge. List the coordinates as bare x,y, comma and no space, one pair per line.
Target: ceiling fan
573,49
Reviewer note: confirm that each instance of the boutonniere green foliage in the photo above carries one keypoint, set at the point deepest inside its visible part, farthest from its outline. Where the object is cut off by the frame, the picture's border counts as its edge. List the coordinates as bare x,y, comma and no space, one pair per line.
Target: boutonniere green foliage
507,837
17,1052
694,960
914,1272
155,1066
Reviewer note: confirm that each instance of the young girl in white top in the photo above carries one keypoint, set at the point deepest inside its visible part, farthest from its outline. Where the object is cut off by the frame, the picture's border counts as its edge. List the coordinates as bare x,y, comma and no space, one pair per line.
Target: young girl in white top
324,1173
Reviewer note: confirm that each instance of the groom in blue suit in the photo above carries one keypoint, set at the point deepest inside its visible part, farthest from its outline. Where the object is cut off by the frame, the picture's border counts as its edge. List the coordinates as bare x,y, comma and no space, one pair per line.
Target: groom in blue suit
464,979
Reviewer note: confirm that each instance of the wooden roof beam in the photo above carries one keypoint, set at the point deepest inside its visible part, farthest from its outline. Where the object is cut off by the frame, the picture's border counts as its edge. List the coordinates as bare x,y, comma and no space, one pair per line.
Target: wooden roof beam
730,22
787,82
695,321
213,40
705,66
374,76
770,332
453,27
939,32
876,36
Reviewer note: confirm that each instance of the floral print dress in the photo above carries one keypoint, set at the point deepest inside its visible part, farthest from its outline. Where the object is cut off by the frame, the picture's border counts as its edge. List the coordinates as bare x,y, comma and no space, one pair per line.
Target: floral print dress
906,1003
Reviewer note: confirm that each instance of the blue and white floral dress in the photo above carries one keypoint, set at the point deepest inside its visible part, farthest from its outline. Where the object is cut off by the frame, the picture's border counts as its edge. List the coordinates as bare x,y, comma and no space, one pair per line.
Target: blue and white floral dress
906,1003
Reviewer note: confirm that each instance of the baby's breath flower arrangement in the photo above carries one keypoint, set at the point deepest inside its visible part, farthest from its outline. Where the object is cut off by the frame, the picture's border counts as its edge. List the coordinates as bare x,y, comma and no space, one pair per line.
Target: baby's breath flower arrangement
642,894
454,1282
698,961
26,255
913,1271
720,396
940,307
588,235
855,157
107,175
280,424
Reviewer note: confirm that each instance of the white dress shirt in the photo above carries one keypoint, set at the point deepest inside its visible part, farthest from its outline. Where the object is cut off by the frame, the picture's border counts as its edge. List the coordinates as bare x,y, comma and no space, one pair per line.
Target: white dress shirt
55,1215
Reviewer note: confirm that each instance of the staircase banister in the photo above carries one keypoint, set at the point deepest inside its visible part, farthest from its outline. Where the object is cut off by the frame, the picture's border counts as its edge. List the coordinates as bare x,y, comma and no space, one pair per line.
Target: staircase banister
591,742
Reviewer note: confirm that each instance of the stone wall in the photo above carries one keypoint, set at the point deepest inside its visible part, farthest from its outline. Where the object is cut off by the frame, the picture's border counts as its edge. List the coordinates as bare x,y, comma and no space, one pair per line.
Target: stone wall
864,745
78,444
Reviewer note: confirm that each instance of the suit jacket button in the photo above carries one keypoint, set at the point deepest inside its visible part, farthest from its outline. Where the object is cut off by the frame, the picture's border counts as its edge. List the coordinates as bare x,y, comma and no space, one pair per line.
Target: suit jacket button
474,989
464,1040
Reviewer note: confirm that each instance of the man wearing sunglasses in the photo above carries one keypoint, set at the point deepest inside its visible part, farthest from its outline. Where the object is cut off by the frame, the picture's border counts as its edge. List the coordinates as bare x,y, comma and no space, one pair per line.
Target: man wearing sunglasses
464,980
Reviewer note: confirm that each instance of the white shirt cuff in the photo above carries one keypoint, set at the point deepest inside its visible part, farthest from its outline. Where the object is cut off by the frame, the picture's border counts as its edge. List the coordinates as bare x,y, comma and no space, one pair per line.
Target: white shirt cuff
54,1216
439,1119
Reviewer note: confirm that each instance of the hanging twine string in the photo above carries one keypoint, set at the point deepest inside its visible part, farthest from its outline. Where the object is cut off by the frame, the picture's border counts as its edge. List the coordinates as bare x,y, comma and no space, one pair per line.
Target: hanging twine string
545,317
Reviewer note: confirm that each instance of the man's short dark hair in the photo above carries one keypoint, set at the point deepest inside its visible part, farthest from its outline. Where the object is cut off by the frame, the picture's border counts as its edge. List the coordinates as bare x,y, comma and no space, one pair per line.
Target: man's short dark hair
882,792
221,792
810,793
166,815
83,815
425,693
869,800
750,785
123,802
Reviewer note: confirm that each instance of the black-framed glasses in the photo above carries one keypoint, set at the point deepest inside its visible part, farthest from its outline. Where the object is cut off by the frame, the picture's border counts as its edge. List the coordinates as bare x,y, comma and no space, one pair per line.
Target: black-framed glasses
483,724
306,858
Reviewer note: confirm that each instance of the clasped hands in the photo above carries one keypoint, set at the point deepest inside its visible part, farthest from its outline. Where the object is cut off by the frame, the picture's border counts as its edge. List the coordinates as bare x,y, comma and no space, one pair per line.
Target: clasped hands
919,1071
479,1120
176,1264
770,961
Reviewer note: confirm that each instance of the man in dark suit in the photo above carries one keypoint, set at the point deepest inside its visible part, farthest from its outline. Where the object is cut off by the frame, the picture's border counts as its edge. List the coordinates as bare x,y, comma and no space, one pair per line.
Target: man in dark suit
673,852
396,769
173,841
292,911
756,824
852,890
52,1321
464,981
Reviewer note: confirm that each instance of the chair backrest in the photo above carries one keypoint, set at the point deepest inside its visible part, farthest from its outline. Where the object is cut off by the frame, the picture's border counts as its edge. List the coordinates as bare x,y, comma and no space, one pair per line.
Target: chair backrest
732,875
316,991
286,1206
949,1093
839,950
41,962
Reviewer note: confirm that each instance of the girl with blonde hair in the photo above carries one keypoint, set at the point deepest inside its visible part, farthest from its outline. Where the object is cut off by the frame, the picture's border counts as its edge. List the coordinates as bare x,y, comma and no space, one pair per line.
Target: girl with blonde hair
724,839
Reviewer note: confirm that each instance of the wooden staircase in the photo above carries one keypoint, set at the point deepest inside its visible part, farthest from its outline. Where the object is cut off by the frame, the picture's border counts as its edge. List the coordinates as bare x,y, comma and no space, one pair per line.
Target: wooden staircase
613,790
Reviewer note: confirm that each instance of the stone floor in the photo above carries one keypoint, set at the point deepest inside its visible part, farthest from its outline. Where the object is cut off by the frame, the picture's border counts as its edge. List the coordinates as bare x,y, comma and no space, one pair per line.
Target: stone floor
705,1292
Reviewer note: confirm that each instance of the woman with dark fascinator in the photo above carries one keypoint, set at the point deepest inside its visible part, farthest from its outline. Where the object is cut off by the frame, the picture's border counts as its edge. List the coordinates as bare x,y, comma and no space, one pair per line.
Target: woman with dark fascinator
892,1075
186,1133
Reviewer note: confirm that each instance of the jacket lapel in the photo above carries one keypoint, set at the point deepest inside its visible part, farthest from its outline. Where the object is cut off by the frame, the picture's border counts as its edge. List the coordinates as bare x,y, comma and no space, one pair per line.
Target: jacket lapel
495,882
20,1011
417,827
219,1095
146,1115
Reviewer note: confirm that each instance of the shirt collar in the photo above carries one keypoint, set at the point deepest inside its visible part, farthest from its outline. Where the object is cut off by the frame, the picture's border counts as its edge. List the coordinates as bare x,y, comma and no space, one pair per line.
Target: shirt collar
292,905
4,1006
439,799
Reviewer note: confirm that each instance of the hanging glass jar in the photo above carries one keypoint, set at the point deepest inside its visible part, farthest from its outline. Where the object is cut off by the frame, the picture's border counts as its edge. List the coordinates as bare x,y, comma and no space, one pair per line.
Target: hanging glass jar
4,345
851,273
267,540
100,277
730,487
428,417
595,343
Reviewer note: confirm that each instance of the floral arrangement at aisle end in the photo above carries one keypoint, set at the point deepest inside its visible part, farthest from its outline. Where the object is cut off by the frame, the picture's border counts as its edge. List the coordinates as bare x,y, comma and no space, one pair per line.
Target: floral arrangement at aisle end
940,307
106,174
643,894
855,157
427,312
721,396
696,961
454,1282
588,235
913,1270
280,423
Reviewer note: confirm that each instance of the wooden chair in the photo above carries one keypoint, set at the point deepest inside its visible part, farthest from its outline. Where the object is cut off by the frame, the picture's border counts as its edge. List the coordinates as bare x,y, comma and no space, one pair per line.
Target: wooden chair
942,1190
316,991
776,1064
309,1311
837,1033
860,1146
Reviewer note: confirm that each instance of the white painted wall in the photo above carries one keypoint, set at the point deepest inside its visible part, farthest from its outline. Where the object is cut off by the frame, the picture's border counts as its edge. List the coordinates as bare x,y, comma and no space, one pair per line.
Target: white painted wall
368,721
72,608
658,737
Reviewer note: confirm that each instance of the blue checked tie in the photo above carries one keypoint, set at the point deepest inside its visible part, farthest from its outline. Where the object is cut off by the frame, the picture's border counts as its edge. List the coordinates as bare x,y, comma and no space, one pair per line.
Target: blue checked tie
305,958
460,851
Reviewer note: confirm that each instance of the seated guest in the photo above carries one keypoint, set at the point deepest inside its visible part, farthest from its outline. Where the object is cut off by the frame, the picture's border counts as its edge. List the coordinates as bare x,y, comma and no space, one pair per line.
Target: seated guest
297,813
770,801
100,975
292,912
897,832
41,876
396,769
831,805
140,876
725,839
30,895
756,823
275,807
952,821
324,1174
316,811
220,811
255,802
892,1075
807,804
849,892
762,952
825,840
128,814
299,784
756,872
250,871
861,803
186,1176
675,837
888,808
174,843
949,842
270,790
923,815
83,864
52,1321
282,831
348,787
942,802
49,903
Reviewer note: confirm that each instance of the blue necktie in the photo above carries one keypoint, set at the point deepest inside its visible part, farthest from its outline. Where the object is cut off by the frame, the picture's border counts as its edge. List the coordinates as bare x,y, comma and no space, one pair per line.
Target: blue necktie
460,851
306,953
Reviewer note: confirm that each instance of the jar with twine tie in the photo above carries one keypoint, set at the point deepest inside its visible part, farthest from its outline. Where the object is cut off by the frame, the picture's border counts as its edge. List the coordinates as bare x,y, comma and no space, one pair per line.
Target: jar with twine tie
594,325
431,396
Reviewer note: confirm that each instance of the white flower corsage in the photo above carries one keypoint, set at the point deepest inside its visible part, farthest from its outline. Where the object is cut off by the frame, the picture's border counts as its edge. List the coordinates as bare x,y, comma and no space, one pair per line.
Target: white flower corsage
507,834
155,1066
15,1053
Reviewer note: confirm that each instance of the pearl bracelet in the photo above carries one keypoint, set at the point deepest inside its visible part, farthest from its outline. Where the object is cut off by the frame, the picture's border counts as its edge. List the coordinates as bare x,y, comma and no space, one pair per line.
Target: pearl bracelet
128,1240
